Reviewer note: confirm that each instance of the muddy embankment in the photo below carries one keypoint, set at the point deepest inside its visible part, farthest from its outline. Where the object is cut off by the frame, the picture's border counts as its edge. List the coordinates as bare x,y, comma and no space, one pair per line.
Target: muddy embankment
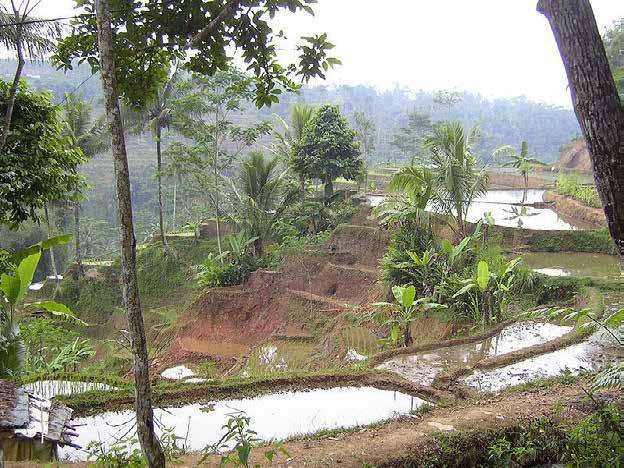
575,210
510,180
308,291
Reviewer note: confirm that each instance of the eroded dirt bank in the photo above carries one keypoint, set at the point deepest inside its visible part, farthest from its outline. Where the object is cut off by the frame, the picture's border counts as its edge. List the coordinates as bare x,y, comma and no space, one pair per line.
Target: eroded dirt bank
576,211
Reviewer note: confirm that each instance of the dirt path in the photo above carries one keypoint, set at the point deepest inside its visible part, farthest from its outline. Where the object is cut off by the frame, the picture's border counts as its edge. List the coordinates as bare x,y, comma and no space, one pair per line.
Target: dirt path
395,443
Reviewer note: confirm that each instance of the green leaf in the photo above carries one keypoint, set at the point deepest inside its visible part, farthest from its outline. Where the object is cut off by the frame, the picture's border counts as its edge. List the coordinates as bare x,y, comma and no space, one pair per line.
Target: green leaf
394,333
447,247
26,271
409,294
57,310
483,275
397,291
464,290
10,286
54,241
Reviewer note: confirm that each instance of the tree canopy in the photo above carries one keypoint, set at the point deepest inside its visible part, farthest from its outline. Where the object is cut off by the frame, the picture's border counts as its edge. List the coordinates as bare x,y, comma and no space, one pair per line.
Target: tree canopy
329,148
38,164
151,36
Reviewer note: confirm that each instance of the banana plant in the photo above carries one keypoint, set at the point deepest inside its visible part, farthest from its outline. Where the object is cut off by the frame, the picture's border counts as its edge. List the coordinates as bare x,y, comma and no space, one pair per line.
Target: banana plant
398,316
14,285
489,291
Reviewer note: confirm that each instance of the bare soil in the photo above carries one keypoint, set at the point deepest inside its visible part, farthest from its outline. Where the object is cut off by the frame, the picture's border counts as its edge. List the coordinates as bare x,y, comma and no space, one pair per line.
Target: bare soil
578,212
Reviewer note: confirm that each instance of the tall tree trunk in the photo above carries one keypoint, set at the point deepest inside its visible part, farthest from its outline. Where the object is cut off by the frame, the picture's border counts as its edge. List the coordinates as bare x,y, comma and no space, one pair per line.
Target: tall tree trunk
175,199
143,393
216,183
596,102
302,188
329,188
79,267
52,258
161,216
8,114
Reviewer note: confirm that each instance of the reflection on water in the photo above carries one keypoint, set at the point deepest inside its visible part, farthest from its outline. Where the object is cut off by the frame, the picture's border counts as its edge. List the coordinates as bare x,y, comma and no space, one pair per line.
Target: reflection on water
573,264
279,356
46,389
422,368
574,359
503,205
274,416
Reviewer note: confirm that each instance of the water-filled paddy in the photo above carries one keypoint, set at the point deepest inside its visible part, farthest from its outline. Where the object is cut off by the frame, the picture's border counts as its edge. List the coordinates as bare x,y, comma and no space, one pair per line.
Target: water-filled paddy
274,416
423,367
592,265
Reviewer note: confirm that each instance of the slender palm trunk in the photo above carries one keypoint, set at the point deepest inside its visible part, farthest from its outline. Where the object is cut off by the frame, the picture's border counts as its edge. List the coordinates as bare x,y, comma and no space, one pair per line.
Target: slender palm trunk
175,199
150,445
161,219
79,267
216,183
52,258
8,115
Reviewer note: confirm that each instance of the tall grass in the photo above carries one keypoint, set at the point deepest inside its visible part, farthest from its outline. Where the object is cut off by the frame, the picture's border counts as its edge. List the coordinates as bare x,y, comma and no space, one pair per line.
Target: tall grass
570,186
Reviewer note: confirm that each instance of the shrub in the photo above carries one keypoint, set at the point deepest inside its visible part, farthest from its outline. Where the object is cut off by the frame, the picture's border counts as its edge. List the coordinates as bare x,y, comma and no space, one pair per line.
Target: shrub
570,186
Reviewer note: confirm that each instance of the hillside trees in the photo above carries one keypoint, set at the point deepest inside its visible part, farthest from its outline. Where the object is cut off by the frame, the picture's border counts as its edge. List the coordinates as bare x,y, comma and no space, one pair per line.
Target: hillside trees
38,165
89,135
30,40
614,46
287,142
409,139
206,117
596,101
329,149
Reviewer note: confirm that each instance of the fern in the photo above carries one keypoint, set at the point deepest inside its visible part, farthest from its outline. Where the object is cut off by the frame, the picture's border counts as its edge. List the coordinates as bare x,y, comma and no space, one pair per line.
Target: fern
610,378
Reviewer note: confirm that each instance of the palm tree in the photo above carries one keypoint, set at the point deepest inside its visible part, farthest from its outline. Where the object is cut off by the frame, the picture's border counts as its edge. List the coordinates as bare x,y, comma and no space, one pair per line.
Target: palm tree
91,136
519,161
416,183
31,40
157,116
456,177
285,144
260,195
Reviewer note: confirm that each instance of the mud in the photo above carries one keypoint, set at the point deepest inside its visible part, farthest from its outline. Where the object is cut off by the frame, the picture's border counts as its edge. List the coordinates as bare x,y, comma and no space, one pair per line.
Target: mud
593,218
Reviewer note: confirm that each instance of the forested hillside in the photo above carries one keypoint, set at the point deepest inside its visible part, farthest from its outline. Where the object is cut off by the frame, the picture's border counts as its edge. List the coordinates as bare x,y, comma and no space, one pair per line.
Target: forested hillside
502,121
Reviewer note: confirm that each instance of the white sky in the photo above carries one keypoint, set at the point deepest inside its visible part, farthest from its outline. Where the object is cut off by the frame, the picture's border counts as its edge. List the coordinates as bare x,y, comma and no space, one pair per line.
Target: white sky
498,48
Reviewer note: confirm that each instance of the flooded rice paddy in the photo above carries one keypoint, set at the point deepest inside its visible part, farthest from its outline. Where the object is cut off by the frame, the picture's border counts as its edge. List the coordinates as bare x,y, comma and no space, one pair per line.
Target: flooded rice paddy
422,368
573,360
505,207
592,265
280,356
274,417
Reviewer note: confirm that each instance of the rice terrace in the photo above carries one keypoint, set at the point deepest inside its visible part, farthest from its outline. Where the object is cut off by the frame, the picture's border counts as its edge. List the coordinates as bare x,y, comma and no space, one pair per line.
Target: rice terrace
311,233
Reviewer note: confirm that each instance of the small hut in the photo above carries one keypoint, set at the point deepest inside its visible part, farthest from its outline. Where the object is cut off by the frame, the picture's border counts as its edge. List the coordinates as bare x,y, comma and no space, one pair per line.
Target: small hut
31,429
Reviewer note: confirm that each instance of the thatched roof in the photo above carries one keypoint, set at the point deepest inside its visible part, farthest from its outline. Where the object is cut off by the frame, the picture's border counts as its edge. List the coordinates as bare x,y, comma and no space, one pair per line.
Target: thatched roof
13,406
26,416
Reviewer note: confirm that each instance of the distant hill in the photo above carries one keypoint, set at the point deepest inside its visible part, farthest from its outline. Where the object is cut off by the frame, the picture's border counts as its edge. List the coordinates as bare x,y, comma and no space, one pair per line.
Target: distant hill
574,157
502,121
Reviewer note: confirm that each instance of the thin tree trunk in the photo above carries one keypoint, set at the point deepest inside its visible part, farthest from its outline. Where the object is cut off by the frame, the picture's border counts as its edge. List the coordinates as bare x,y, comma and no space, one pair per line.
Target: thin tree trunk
52,258
150,445
302,188
79,267
175,199
329,188
8,115
596,102
216,182
161,219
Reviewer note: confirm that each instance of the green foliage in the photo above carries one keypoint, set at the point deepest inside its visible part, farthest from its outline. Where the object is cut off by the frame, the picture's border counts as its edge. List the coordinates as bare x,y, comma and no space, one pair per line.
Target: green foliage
614,44
232,266
457,180
142,56
38,164
14,285
239,440
329,149
598,241
520,161
261,195
597,440
570,186
398,316
409,139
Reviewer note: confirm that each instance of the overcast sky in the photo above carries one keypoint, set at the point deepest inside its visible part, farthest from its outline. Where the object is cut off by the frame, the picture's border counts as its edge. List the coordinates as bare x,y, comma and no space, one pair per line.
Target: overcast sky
499,48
